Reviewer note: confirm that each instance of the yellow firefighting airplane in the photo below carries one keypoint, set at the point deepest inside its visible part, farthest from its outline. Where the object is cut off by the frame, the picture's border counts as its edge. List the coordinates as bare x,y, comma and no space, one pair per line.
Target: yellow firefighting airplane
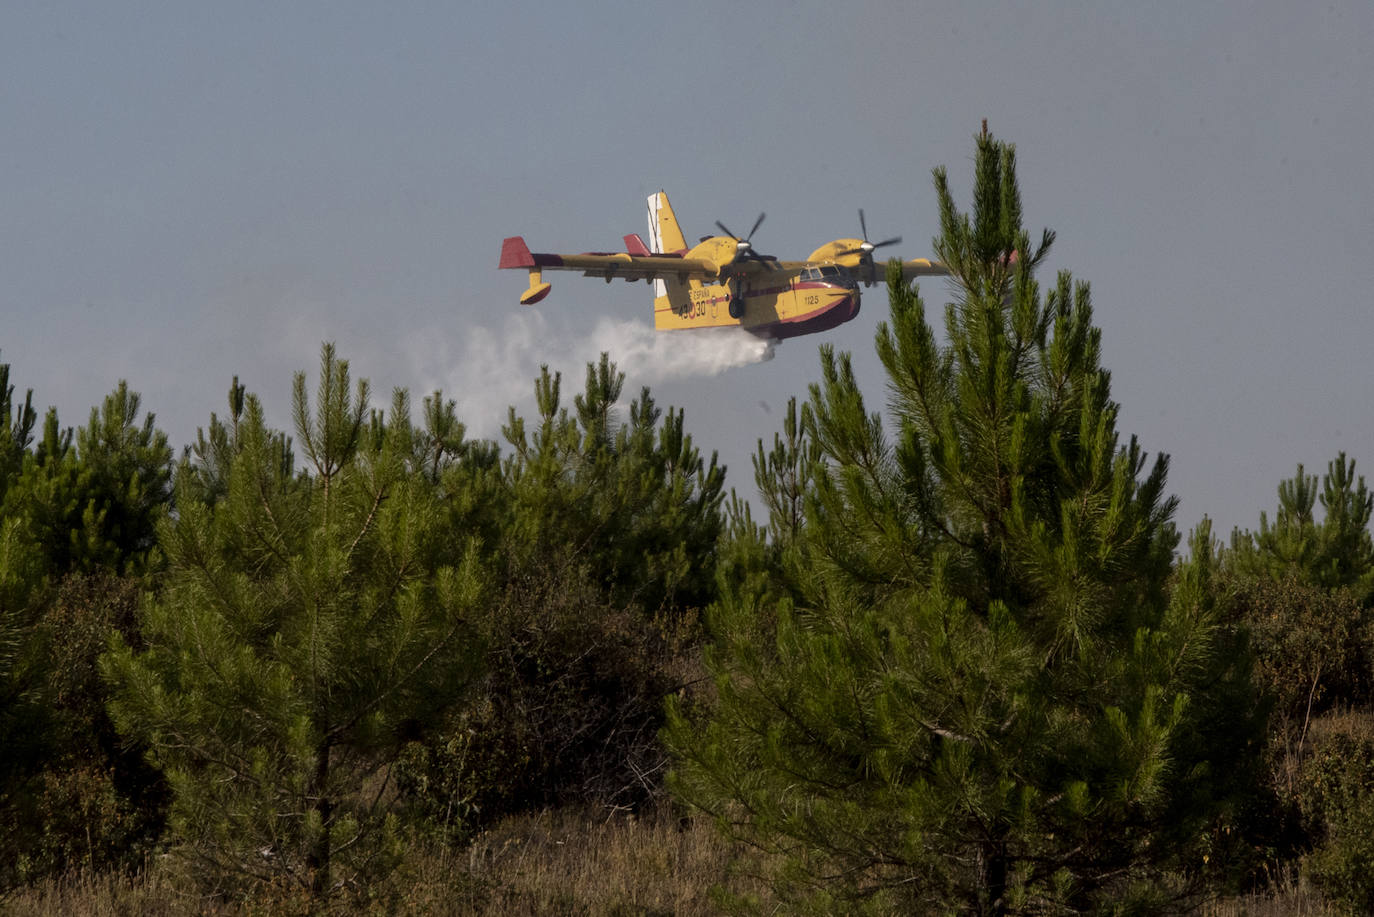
722,281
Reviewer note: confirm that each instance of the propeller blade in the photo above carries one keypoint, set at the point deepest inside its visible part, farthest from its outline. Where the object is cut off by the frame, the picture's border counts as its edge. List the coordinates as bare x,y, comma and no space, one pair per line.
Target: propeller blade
743,248
757,224
867,247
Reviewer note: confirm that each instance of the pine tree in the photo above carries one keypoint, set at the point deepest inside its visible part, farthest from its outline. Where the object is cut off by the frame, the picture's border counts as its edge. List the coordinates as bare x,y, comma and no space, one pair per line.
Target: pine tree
753,555
92,498
1332,553
20,563
16,430
634,499
984,697
311,624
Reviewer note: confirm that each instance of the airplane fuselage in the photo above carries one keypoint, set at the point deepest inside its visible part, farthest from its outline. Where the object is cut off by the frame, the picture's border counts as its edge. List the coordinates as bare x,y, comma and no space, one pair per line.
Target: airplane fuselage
782,306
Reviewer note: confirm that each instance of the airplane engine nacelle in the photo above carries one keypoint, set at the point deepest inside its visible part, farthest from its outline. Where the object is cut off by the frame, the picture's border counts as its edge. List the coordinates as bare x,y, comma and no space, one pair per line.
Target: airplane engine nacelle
830,251
850,254
719,250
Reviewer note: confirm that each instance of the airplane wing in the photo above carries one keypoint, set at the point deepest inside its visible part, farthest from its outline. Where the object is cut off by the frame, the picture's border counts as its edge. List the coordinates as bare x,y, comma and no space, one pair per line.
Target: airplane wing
870,271
608,265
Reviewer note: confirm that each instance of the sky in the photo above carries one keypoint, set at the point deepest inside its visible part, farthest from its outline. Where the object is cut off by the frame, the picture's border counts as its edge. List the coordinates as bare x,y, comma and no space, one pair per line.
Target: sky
191,191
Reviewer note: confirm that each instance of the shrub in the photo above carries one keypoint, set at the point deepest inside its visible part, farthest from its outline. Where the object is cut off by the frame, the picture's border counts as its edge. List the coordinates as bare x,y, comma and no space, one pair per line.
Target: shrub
569,712
1337,799
87,799
1310,645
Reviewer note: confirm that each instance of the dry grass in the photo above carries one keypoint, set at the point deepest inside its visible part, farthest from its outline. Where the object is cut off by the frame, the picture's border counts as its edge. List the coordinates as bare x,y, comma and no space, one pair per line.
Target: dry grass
1288,899
587,862
1357,724
86,894
593,863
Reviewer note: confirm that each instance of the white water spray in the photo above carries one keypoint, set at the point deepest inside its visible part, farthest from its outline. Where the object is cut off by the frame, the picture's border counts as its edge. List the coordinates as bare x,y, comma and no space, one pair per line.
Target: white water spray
492,369
648,356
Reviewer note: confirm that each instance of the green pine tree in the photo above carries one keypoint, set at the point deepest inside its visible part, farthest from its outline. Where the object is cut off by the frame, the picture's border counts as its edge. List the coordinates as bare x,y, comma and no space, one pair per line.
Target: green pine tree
754,556
16,431
92,498
984,696
310,625
1332,553
635,499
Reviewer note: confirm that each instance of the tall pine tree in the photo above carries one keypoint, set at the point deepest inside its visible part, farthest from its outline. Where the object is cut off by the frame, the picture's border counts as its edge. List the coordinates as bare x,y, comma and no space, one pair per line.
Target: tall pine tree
985,696
310,624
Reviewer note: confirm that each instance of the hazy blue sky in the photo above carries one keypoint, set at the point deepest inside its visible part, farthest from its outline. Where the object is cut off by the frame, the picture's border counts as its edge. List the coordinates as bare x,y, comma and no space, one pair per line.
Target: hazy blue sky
191,191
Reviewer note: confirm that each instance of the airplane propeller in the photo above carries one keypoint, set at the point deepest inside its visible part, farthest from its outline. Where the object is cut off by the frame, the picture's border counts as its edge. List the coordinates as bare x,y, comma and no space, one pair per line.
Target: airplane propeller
867,247
743,248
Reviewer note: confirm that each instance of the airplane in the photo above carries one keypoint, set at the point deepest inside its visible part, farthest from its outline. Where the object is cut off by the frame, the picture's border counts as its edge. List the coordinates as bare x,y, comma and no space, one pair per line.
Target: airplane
722,281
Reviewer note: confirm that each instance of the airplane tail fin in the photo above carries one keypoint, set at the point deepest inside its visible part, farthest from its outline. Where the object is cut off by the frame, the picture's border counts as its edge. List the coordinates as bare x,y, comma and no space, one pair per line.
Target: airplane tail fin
665,235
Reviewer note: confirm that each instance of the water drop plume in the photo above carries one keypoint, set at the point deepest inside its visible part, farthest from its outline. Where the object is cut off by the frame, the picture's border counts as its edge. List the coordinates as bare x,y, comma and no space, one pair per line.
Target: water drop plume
494,368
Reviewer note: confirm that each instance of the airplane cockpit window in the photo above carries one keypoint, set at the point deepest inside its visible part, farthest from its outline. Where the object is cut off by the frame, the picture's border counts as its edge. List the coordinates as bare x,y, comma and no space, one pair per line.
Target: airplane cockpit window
837,274
827,273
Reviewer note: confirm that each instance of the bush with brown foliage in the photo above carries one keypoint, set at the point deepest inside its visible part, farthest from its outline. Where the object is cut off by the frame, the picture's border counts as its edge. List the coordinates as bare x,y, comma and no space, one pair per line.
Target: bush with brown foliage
1311,645
91,801
1336,794
569,712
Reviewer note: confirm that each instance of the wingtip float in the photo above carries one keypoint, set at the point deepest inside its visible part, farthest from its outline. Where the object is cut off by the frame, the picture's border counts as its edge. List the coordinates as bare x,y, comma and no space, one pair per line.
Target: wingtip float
722,281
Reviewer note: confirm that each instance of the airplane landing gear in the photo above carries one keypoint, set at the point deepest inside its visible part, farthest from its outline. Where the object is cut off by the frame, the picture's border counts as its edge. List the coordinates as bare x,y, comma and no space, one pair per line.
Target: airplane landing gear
736,299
